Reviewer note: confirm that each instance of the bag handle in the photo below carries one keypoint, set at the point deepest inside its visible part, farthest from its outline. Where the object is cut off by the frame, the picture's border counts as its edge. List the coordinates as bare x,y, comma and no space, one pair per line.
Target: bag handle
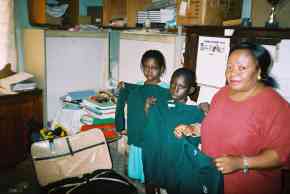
86,179
69,146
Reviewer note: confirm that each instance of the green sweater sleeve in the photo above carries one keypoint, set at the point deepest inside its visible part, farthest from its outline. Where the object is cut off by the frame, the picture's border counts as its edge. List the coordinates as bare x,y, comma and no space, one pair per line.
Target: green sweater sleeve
121,102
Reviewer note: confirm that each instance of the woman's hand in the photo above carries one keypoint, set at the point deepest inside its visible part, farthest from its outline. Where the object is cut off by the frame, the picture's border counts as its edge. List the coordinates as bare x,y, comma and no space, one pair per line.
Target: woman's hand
267,159
187,130
149,101
229,164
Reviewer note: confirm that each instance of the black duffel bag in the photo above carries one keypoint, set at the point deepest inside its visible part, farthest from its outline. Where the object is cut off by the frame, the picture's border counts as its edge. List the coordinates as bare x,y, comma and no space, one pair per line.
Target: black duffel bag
98,182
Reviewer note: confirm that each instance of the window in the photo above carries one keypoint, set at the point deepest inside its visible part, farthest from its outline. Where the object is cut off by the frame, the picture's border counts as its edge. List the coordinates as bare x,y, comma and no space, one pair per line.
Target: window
7,34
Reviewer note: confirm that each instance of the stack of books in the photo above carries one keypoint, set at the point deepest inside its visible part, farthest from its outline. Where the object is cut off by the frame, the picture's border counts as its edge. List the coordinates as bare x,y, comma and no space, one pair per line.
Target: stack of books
78,95
24,86
98,112
18,82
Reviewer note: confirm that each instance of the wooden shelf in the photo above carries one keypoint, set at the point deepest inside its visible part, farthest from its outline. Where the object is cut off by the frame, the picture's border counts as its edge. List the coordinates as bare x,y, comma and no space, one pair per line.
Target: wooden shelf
259,34
125,9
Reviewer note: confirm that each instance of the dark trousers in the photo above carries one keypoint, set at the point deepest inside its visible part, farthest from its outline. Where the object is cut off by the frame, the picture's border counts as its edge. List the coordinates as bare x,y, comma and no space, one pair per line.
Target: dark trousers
152,189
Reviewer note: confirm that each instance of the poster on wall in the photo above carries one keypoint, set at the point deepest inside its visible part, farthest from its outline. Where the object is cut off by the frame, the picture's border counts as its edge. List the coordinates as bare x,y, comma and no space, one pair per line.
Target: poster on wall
211,60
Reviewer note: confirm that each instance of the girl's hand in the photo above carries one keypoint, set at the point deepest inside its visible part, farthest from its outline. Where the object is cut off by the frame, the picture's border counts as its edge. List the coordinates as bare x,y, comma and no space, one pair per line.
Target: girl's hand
149,101
124,132
121,84
228,164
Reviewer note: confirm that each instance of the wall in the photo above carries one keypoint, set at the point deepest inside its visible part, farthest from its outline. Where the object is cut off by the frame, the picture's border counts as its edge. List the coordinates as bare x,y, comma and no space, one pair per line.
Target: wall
134,44
21,22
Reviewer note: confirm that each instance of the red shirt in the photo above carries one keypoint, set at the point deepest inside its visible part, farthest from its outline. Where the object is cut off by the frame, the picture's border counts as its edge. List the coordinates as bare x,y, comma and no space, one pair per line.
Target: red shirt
245,129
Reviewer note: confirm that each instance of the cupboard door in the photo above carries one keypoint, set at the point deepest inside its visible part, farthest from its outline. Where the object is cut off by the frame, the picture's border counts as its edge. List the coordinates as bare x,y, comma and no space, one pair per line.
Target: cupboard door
36,10
38,16
15,112
12,146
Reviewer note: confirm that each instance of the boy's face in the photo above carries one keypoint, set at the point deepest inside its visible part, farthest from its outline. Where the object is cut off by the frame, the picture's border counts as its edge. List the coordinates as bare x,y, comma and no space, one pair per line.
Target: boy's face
179,89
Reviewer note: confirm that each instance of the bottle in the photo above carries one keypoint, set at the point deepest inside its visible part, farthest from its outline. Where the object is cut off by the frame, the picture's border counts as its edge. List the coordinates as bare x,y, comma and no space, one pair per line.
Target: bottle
147,23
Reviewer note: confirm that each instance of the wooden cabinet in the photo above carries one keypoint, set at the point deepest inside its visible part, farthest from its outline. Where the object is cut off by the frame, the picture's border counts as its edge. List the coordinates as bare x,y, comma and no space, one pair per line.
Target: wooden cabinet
125,9
15,112
38,16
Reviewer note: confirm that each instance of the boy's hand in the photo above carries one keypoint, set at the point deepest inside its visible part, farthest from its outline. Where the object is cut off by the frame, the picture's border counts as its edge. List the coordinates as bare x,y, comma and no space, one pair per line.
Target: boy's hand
149,101
187,130
178,131
121,84
195,129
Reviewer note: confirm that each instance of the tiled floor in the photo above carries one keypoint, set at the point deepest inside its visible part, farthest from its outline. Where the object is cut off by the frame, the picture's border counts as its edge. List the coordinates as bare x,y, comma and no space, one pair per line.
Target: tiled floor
20,179
120,165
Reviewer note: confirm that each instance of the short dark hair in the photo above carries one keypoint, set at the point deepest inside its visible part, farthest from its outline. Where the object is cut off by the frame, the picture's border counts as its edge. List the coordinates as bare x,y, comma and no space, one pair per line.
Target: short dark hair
188,74
264,60
157,56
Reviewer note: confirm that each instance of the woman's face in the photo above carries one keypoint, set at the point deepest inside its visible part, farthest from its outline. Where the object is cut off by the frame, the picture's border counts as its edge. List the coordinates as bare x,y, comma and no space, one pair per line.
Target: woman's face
241,72
151,70
179,89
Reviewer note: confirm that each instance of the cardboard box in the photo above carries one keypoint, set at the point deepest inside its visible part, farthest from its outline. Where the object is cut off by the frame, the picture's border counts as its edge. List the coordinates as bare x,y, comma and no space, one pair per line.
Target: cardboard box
206,12
199,12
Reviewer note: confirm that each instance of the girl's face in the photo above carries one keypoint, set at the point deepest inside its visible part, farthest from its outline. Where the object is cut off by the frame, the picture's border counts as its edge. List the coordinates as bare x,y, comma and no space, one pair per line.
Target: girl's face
179,89
241,72
151,71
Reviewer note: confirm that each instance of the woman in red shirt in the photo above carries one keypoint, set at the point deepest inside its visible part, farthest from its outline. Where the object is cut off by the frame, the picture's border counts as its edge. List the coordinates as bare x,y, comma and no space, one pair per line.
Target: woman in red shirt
247,129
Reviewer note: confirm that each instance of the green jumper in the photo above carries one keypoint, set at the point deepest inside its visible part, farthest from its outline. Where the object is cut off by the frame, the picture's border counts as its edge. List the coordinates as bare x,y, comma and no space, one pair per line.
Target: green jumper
135,96
177,164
